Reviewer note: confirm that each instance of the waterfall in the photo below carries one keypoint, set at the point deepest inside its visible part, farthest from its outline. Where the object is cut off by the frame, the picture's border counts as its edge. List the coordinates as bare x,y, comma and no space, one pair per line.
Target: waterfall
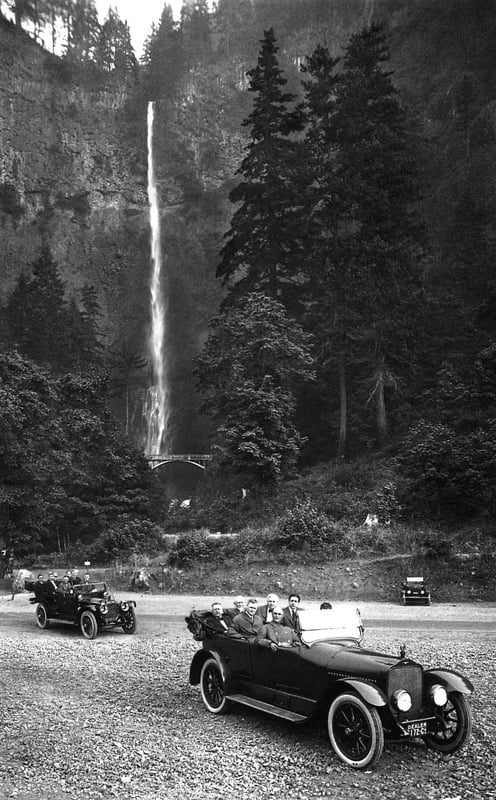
156,406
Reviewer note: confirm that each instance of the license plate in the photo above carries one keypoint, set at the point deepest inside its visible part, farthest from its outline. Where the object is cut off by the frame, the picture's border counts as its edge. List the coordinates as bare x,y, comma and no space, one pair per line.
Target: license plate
416,728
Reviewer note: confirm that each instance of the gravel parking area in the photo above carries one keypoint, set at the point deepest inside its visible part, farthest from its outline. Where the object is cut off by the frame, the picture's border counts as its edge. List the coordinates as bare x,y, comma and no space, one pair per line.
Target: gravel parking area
116,718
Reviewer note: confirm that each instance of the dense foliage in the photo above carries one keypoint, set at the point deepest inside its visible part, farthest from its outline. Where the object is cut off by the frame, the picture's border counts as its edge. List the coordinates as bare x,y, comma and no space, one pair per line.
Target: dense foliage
66,472
253,359
395,287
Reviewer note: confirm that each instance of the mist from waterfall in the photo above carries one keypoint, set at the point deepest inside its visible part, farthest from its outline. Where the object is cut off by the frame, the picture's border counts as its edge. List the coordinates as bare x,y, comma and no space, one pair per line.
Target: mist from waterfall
156,404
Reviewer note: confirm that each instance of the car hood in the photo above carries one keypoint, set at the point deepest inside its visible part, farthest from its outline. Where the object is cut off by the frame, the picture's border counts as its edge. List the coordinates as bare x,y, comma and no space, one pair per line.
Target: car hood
338,656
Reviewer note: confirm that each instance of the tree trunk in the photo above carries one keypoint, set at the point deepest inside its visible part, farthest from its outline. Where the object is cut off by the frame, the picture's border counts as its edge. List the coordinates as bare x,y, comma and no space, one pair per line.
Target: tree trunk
380,404
343,411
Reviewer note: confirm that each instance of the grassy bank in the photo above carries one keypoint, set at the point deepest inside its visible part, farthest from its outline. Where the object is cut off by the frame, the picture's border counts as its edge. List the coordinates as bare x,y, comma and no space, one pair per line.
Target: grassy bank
460,578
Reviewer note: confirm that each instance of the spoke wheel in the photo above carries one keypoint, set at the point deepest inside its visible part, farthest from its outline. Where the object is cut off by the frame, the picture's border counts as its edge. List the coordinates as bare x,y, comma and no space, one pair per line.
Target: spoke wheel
212,687
355,731
455,725
41,616
88,625
129,624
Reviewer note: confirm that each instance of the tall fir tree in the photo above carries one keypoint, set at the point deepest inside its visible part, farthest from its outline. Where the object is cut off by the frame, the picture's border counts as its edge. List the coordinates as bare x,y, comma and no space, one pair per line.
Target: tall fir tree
327,311
381,240
264,244
46,325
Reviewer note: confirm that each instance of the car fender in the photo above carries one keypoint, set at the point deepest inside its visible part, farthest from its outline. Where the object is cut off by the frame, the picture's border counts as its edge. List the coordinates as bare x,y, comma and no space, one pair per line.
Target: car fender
198,661
369,694
451,680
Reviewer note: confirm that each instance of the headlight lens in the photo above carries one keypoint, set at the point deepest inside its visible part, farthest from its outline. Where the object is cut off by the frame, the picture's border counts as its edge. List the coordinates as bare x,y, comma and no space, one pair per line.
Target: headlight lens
402,700
125,606
408,591
439,695
103,608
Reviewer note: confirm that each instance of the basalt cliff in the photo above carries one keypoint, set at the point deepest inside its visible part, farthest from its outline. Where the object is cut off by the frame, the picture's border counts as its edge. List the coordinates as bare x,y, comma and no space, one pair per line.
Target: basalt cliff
73,161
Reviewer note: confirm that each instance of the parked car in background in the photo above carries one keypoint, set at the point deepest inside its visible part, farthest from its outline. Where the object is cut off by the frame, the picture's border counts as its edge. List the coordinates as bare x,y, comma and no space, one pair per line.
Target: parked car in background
414,592
364,695
92,608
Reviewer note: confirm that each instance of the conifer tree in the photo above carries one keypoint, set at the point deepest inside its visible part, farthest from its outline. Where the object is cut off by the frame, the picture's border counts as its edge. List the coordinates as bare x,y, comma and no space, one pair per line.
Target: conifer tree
195,28
163,57
46,329
253,359
328,280
381,241
264,245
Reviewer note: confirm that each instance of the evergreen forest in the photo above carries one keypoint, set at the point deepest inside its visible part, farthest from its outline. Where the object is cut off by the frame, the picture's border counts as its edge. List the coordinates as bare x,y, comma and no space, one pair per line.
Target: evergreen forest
349,365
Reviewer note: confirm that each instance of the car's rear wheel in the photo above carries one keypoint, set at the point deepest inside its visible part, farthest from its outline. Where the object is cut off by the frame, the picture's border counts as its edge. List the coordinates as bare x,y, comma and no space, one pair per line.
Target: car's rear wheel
212,686
355,731
42,620
129,624
455,725
88,625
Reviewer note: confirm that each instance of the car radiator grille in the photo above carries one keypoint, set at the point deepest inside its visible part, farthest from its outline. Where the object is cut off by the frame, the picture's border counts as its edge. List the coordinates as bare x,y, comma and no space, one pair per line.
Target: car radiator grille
409,677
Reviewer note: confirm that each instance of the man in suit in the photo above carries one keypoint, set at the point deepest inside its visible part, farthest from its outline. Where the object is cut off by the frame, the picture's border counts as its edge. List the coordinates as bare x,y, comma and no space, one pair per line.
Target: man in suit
238,606
265,611
290,612
218,621
248,624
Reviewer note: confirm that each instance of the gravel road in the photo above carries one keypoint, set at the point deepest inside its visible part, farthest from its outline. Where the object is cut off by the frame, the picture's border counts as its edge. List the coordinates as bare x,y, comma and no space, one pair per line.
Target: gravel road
116,717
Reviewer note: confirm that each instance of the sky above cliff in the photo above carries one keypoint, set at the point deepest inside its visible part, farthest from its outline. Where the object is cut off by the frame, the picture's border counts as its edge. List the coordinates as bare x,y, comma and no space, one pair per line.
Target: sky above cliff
139,15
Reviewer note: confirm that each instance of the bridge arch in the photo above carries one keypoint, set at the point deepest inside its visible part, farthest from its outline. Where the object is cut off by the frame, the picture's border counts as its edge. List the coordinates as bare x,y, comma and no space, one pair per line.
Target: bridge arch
196,460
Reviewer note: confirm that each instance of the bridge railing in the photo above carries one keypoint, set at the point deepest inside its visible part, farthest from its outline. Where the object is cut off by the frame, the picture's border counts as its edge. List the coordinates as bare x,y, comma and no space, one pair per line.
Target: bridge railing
199,460
180,457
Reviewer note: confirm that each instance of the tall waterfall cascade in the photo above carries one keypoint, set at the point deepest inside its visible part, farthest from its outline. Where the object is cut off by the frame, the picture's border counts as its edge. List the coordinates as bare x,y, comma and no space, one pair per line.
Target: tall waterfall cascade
156,405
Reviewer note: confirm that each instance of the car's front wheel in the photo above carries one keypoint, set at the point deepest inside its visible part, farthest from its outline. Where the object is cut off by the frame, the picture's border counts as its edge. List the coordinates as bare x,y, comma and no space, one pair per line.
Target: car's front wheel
129,624
454,725
88,625
355,731
42,620
212,687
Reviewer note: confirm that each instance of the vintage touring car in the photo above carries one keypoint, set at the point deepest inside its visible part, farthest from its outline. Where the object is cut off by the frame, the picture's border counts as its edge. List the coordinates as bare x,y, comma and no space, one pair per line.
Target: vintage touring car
90,607
414,592
365,695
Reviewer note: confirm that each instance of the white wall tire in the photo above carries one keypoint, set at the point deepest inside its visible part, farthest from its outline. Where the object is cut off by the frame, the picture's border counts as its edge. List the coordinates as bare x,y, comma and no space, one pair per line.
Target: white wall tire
355,731
212,687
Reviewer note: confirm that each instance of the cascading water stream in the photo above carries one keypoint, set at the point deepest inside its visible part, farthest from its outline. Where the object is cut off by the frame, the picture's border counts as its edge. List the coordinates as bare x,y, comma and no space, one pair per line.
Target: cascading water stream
156,410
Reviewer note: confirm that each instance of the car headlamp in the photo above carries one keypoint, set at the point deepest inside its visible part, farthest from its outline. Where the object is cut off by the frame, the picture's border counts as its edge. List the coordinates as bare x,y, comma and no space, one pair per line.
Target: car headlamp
408,591
103,608
79,597
402,700
125,606
439,695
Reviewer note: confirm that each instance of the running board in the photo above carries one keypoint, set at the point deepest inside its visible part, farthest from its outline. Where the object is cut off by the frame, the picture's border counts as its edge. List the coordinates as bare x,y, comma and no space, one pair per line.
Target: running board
284,713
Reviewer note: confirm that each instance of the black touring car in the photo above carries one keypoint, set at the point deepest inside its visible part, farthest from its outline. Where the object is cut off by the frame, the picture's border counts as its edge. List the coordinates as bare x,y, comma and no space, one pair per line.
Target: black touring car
365,695
91,607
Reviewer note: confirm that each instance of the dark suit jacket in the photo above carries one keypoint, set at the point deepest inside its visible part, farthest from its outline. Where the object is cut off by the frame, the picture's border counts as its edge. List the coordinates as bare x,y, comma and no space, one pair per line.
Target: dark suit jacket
214,624
287,619
262,612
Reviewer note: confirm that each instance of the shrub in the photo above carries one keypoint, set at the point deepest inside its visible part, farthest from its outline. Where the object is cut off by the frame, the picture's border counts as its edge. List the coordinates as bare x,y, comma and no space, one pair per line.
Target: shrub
302,526
125,538
192,548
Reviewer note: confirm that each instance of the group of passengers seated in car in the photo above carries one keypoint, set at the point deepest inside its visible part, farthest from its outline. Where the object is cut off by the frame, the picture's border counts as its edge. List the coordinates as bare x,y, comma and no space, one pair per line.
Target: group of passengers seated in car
270,625
69,584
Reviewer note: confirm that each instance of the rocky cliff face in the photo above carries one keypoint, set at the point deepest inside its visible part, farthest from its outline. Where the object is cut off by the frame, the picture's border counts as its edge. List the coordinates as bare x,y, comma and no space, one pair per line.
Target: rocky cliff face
73,176
68,177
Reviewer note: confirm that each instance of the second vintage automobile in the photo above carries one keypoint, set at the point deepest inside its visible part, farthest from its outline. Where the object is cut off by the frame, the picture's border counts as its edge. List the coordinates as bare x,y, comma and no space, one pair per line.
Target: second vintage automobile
365,695
414,592
91,608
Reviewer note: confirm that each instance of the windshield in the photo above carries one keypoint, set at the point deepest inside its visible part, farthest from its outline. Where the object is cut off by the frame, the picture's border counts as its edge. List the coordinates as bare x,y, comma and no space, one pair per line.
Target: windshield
91,588
327,624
